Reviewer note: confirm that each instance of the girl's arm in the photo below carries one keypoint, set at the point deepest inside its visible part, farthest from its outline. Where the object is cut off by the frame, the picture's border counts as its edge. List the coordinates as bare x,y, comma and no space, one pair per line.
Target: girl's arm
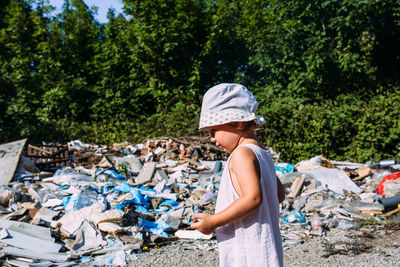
244,170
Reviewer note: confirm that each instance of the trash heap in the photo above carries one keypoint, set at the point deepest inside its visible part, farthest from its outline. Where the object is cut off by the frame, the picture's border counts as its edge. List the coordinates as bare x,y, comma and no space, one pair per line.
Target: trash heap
323,194
111,203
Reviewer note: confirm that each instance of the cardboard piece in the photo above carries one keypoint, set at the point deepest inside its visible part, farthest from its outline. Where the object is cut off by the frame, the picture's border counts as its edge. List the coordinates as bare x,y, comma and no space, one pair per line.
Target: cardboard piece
296,186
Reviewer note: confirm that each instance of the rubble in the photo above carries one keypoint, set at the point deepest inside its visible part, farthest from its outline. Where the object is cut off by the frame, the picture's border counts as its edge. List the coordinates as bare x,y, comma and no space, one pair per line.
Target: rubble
9,154
107,204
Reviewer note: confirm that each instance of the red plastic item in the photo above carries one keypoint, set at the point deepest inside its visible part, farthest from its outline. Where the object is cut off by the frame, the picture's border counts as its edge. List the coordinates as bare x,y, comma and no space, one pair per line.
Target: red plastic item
379,188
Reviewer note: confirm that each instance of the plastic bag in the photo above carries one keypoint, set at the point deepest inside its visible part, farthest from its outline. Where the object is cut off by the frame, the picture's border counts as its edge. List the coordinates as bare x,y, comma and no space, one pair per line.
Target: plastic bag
346,225
295,216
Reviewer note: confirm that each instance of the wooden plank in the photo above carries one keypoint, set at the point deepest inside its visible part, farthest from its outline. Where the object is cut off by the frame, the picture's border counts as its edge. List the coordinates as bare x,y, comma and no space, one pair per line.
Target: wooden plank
390,213
40,149
48,155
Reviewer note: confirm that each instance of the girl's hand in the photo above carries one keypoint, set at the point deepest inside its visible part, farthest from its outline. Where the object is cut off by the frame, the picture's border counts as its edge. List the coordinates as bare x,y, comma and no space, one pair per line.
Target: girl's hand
204,224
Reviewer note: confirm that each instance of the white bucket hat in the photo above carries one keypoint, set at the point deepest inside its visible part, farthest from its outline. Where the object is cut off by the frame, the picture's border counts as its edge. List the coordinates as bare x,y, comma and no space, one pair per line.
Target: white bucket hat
228,102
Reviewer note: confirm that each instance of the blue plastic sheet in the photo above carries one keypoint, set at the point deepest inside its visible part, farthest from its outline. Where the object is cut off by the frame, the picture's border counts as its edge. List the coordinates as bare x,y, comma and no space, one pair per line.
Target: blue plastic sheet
169,203
114,242
137,199
66,200
284,167
108,188
83,259
157,228
64,187
124,187
147,191
85,198
295,216
141,208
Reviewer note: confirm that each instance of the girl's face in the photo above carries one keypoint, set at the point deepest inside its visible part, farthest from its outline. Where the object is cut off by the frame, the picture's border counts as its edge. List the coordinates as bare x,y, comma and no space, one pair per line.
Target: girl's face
224,136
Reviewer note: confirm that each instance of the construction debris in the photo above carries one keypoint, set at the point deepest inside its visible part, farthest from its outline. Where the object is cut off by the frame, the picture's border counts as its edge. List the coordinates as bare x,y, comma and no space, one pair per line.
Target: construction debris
105,204
9,156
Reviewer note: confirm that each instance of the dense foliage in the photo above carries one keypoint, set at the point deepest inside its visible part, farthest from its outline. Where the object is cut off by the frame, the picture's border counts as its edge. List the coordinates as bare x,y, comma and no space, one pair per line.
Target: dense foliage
326,73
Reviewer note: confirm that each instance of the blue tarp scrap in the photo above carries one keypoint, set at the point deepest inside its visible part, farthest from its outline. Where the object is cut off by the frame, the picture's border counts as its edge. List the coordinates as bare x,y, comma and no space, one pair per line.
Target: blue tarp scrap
108,188
124,187
294,216
138,199
64,187
139,208
157,228
284,167
83,259
169,203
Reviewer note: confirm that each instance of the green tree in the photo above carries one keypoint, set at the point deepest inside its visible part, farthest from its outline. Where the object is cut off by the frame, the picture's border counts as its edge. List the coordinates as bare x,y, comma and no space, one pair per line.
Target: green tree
71,78
316,65
22,33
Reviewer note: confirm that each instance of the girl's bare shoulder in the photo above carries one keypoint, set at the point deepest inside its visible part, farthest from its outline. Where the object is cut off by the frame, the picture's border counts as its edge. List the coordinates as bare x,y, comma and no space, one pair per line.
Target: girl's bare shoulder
243,155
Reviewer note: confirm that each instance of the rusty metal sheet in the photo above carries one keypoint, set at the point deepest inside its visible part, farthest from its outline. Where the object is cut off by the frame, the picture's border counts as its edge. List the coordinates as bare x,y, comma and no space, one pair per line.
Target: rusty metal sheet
9,157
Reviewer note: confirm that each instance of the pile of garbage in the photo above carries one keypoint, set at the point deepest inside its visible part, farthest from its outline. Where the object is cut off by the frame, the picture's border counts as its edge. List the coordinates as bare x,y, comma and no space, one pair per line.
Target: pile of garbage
323,194
107,204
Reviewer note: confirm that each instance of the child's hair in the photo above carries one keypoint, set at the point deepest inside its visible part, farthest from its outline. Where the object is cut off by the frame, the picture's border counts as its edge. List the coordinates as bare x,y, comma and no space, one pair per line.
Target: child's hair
245,126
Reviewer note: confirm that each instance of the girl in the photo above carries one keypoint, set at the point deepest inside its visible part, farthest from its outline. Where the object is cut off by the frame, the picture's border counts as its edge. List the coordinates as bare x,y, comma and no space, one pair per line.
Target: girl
246,219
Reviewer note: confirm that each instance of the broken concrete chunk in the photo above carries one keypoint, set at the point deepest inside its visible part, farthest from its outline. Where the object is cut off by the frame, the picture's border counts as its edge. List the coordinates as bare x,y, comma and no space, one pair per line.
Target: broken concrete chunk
106,163
160,175
135,164
146,174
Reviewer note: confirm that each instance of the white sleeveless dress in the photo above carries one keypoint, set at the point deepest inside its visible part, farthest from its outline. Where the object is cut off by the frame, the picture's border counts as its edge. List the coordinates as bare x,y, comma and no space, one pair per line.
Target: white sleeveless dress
254,240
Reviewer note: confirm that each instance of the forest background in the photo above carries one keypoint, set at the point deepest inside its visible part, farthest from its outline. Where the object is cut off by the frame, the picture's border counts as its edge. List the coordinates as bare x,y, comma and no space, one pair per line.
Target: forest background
325,72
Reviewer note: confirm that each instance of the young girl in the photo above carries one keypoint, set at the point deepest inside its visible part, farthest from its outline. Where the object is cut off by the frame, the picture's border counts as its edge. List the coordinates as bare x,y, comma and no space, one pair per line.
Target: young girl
246,219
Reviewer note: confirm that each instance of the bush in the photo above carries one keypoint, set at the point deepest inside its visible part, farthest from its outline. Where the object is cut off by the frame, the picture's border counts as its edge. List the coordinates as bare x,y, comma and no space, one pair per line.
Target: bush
346,128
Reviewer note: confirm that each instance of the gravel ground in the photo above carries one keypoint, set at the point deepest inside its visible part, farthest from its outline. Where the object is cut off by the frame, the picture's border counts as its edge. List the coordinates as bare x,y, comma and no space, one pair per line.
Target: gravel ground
364,247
